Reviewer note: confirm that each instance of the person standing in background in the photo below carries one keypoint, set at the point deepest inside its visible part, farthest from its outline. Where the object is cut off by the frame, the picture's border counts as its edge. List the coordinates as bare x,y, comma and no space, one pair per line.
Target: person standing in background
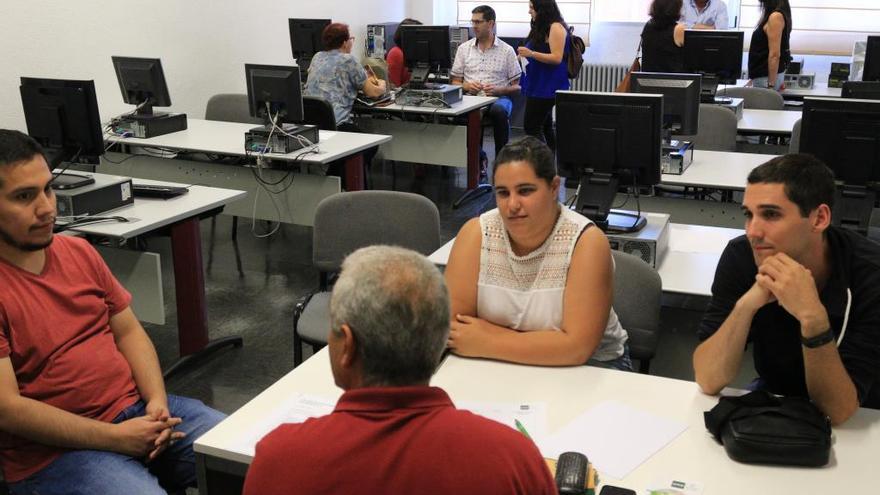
663,37
769,51
398,74
546,72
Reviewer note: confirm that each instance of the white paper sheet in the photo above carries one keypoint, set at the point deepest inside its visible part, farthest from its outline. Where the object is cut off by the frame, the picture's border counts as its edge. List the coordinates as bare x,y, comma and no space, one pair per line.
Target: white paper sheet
615,437
533,415
297,409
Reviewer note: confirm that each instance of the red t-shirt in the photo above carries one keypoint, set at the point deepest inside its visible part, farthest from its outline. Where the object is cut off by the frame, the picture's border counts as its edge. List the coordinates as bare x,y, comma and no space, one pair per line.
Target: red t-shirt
397,72
55,329
398,440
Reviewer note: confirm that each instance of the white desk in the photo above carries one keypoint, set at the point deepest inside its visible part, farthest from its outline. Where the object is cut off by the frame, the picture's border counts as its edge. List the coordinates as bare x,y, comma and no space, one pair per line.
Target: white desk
568,391
227,138
717,169
688,267
778,122
432,142
180,215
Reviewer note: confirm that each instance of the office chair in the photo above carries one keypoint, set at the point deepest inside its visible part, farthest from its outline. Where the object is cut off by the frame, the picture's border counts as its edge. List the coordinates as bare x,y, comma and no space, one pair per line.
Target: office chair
318,112
794,145
346,222
230,107
637,292
757,98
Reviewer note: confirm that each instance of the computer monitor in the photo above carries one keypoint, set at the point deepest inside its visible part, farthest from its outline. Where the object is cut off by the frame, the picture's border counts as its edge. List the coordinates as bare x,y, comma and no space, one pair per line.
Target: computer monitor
142,83
714,54
864,90
425,48
305,40
681,98
274,92
871,71
62,115
845,134
606,139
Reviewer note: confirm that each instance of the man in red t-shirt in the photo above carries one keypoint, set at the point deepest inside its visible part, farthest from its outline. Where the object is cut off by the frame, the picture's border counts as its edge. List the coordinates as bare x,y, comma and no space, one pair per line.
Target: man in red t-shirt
82,403
390,432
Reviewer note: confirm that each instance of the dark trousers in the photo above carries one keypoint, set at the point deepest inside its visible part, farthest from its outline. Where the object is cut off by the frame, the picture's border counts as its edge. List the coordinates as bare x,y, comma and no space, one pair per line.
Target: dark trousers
337,168
538,120
499,116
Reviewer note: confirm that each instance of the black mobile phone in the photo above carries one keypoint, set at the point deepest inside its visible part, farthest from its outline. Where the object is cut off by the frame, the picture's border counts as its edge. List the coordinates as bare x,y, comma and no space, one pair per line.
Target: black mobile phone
571,473
616,490
71,181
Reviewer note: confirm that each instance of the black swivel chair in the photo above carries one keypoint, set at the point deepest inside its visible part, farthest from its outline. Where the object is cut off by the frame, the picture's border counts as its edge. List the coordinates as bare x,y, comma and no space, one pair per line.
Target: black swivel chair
319,112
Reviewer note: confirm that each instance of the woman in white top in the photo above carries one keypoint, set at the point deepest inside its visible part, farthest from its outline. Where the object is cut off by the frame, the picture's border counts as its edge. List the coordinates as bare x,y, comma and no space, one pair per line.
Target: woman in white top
531,281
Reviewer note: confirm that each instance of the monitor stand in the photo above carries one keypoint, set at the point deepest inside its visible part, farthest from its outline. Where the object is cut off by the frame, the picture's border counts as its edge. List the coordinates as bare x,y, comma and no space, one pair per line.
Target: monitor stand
419,79
708,88
853,206
595,195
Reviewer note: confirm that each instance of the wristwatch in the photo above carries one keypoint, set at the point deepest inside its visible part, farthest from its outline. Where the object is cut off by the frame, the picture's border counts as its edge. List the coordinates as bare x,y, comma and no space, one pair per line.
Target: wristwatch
823,338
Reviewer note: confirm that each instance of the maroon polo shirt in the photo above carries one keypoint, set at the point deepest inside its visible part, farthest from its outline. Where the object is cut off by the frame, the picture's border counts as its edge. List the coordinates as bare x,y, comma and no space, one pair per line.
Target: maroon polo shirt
398,440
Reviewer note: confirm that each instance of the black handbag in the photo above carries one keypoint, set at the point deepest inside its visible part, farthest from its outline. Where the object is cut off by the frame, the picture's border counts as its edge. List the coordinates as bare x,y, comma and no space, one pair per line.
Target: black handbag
760,428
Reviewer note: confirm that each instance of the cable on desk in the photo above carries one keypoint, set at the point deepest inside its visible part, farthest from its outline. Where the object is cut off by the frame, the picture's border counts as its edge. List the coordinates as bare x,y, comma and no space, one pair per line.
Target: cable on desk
80,221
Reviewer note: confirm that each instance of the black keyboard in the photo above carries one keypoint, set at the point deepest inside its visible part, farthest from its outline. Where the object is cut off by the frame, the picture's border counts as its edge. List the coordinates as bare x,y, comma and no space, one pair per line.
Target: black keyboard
157,191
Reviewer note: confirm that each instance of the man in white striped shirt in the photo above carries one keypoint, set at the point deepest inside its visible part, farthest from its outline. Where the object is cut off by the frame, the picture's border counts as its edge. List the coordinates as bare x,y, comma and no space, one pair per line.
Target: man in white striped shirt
486,65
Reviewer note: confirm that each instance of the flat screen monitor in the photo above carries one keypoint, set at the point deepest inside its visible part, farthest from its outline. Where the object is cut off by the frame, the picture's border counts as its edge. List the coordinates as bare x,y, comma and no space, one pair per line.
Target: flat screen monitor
613,138
845,134
305,37
872,59
62,115
274,92
681,98
425,48
142,83
714,53
864,90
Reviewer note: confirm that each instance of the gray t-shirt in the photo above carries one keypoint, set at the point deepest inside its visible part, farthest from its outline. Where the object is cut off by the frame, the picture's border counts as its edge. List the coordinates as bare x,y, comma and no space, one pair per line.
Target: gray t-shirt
336,77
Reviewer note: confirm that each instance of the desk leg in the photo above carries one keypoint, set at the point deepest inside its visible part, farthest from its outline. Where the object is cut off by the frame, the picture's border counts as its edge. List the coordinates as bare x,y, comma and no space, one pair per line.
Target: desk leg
474,188
189,286
354,172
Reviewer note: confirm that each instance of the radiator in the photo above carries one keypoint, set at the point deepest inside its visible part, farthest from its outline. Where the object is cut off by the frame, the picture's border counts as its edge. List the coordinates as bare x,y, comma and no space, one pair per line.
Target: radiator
599,77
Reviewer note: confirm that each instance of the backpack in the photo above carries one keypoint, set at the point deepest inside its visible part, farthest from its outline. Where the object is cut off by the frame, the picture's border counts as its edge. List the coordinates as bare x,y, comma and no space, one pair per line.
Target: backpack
576,49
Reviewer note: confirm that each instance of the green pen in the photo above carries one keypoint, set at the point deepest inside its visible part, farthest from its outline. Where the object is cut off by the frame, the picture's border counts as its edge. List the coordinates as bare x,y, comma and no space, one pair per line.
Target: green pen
522,429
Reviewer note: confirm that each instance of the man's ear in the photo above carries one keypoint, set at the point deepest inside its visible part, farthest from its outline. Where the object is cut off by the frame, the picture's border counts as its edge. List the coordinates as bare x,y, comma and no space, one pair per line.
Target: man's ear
348,351
821,218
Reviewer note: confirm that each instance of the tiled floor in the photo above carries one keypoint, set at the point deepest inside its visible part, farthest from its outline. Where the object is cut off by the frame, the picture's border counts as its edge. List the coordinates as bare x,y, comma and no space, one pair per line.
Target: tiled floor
252,285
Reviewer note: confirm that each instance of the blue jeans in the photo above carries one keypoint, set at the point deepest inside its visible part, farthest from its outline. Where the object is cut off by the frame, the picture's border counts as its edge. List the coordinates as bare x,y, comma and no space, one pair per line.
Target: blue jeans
764,82
97,471
622,363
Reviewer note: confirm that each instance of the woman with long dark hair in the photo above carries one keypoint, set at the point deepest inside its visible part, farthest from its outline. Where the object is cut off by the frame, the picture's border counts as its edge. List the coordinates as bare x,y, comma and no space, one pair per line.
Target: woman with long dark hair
769,51
546,72
663,37
397,71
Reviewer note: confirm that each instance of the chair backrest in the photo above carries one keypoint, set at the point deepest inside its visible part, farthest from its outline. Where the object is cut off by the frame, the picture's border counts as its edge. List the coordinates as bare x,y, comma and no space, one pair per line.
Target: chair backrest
348,221
230,107
717,129
794,146
637,292
319,112
759,98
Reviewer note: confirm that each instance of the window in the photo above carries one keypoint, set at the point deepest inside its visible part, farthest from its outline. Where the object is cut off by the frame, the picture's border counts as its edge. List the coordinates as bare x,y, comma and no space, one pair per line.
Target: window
513,16
822,27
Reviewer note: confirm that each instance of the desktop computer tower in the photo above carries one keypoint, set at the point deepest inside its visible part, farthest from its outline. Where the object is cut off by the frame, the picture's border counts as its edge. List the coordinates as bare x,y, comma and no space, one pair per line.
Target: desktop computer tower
106,193
457,36
380,39
149,126
649,244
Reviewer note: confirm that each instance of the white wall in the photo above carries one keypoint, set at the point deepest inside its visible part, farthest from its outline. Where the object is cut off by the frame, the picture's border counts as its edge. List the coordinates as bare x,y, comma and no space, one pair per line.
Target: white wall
203,44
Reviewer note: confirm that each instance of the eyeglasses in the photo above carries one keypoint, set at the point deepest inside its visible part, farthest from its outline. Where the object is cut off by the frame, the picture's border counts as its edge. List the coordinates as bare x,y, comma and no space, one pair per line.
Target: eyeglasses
477,22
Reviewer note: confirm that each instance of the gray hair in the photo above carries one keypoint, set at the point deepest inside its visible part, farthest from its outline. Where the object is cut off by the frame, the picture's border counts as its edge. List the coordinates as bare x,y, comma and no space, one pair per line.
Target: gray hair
397,306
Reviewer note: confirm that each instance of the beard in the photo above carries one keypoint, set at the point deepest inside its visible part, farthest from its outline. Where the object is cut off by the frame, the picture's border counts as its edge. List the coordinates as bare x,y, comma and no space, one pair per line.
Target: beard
8,239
